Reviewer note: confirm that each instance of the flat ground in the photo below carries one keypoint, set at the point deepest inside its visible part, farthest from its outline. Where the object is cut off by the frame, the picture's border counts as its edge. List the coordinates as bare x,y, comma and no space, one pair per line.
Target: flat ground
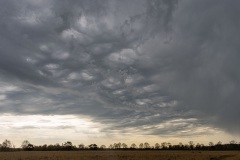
121,155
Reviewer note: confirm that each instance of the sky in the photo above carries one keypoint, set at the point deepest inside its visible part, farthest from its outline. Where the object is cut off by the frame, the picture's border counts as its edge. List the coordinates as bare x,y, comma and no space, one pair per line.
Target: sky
91,71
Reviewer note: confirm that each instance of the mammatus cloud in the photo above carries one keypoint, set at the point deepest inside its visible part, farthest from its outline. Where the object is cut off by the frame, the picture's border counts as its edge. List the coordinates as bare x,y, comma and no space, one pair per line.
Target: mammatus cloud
166,67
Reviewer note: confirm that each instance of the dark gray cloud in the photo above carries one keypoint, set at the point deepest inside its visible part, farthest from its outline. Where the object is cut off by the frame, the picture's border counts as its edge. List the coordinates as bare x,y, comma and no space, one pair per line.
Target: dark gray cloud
168,65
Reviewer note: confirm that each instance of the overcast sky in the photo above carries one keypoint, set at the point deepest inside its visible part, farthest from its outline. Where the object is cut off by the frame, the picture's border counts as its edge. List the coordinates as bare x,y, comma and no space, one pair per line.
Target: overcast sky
119,71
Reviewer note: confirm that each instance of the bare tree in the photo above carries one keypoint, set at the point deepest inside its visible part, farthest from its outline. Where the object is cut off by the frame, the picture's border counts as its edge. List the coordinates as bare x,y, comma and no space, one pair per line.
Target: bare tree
198,146
164,145
110,146
233,142
124,146
146,145
6,145
219,143
157,146
119,145
180,145
115,146
26,145
102,147
211,144
68,145
141,146
81,146
133,146
191,144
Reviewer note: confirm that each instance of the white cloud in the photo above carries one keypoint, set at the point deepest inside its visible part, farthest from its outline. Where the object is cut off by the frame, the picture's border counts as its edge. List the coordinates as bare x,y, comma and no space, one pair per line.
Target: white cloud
126,56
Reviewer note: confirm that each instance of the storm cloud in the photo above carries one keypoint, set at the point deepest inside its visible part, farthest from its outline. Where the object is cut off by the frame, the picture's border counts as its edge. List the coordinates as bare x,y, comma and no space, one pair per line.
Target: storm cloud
164,67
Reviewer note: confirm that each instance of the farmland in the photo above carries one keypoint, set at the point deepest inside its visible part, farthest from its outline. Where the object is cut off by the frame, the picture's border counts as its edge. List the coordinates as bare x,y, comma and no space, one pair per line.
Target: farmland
120,155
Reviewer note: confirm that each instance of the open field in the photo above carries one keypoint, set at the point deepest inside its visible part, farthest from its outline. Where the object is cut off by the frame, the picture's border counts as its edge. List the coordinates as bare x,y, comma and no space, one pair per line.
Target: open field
121,155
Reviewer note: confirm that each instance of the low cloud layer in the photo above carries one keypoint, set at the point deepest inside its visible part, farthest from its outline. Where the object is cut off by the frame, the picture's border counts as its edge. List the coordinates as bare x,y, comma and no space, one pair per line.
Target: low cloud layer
165,67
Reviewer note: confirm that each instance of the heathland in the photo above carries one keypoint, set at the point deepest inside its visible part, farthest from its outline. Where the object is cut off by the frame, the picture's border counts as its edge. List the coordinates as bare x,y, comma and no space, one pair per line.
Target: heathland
121,155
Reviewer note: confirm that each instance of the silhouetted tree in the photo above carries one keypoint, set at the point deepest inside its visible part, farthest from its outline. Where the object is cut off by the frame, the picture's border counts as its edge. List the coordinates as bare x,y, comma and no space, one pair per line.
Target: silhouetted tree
68,145
102,147
219,146
146,145
111,146
119,145
232,145
233,142
26,145
198,146
44,147
57,147
157,146
50,147
115,146
124,146
219,143
181,146
133,146
186,146
6,145
164,145
81,146
169,145
191,144
93,146
211,145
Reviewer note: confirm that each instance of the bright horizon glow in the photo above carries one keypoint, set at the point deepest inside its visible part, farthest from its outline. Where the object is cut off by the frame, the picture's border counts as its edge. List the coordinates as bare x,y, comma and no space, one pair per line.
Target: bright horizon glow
52,129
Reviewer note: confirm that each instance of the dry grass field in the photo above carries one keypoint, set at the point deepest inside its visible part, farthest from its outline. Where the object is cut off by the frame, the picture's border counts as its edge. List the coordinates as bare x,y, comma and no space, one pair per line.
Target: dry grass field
121,155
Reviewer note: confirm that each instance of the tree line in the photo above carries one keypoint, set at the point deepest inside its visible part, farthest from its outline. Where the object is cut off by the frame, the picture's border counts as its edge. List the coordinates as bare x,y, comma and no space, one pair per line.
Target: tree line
7,145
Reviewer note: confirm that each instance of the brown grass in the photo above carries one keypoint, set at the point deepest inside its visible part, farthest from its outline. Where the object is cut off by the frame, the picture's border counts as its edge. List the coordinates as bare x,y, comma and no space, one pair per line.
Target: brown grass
121,155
